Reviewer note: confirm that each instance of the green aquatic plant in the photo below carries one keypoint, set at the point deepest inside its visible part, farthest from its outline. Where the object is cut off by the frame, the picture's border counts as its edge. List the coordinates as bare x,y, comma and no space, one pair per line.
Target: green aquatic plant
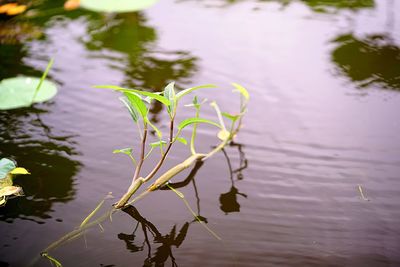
21,92
8,170
138,103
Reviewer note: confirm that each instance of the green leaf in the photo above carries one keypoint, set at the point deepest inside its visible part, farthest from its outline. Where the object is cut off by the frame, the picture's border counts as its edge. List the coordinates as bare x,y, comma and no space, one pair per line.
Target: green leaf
148,99
6,166
155,96
230,116
189,121
242,90
137,102
117,5
182,140
19,170
18,92
169,93
43,78
126,151
159,143
132,110
187,91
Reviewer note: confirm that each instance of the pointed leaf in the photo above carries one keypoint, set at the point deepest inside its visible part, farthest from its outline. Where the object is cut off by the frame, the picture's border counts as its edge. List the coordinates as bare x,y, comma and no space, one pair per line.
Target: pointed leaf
182,140
155,96
137,102
19,170
157,144
126,151
169,93
242,90
187,91
230,116
132,110
187,122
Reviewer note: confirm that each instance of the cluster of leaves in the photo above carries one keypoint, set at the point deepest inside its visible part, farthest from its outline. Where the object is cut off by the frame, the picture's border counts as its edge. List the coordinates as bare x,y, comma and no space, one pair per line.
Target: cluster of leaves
8,169
137,102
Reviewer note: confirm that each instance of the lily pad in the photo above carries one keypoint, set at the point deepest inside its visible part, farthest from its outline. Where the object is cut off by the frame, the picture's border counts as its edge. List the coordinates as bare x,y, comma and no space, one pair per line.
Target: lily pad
117,5
18,92
6,166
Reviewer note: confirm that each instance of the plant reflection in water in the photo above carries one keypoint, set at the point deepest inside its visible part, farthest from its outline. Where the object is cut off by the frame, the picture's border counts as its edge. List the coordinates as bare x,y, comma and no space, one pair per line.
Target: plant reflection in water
175,238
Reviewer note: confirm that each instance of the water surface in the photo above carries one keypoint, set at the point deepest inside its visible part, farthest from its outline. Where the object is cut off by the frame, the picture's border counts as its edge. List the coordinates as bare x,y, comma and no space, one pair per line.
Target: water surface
322,122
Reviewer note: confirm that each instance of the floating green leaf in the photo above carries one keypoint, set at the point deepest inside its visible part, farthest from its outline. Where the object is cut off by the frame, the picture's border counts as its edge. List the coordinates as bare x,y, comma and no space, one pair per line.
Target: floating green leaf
18,92
187,122
155,96
117,5
187,91
6,166
242,90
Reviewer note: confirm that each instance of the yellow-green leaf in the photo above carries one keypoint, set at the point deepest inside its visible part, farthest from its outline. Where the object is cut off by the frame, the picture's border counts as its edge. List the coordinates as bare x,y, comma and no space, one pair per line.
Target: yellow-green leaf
242,90
19,170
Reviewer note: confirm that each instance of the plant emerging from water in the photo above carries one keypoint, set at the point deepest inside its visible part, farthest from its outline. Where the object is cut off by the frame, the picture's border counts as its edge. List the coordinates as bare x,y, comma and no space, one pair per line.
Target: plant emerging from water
138,104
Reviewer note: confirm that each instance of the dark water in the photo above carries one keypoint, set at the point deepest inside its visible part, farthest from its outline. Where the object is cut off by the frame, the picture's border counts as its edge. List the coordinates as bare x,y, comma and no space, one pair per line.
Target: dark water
324,79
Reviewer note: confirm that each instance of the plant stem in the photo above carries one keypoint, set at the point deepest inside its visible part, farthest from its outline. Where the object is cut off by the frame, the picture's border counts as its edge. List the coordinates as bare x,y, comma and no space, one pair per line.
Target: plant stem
192,148
163,157
42,79
136,180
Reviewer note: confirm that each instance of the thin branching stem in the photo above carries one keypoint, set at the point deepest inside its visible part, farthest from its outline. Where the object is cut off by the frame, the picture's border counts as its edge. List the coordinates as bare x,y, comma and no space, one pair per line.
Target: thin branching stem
136,180
163,157
142,153
192,148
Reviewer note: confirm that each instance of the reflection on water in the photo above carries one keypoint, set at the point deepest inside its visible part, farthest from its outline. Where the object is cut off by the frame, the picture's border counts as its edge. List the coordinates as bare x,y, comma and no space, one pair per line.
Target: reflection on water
315,5
26,138
373,59
229,202
165,242
146,66
11,58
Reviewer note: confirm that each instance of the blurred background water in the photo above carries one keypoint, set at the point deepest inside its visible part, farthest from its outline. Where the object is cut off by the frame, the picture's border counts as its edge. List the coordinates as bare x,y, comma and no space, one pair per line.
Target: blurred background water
324,79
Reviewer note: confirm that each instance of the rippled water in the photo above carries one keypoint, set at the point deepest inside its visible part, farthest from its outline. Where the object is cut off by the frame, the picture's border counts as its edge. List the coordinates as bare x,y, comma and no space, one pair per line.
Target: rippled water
324,79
